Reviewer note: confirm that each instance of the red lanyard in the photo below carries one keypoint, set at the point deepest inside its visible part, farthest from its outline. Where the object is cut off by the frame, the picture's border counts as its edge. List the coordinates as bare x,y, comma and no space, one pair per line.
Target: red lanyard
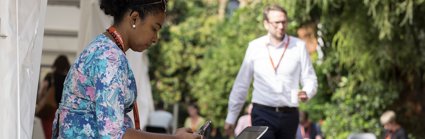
271,60
388,136
117,37
136,115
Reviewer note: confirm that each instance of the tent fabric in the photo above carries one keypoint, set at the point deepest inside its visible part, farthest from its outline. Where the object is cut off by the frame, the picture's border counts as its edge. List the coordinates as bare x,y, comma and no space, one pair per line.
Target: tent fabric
21,37
93,22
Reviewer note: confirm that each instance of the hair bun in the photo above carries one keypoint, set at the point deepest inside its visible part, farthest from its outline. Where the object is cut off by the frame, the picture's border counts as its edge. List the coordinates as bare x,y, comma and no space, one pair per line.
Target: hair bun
113,7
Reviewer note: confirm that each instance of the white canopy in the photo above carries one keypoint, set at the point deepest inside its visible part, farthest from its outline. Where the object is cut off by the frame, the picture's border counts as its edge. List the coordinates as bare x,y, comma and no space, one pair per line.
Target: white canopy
21,35
23,38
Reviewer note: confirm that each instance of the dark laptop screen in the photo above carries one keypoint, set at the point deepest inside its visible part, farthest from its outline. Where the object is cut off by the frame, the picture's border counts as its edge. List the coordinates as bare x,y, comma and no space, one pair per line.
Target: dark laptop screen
253,132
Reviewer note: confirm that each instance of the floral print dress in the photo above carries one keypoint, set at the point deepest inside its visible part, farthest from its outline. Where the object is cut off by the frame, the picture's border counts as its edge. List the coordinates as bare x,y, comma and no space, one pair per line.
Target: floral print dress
98,92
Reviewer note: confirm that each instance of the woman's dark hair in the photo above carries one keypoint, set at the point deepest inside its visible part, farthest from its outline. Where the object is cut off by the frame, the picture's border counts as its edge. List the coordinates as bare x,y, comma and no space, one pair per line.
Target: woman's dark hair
117,8
194,105
61,64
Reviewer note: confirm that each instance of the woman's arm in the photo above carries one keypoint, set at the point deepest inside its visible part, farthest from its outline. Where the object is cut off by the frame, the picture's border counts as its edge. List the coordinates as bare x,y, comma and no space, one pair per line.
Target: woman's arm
182,133
46,99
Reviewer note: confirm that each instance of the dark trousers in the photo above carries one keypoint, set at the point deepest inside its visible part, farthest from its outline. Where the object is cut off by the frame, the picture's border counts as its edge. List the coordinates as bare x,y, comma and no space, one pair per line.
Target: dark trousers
282,124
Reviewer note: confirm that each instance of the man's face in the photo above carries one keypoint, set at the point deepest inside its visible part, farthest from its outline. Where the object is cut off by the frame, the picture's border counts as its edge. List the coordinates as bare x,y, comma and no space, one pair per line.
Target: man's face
388,126
276,24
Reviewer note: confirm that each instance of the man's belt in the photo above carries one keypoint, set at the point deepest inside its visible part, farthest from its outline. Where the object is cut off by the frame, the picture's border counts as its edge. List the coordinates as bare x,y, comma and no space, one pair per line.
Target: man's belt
277,109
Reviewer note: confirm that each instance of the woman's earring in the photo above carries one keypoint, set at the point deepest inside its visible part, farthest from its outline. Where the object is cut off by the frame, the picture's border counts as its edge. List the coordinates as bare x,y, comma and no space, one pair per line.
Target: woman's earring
133,26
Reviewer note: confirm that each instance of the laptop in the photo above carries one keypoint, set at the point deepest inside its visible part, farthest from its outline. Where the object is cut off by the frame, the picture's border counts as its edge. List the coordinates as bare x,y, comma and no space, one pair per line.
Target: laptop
253,132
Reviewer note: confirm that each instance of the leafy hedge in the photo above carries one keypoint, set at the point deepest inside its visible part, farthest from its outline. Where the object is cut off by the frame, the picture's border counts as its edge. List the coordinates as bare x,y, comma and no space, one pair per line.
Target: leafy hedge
374,57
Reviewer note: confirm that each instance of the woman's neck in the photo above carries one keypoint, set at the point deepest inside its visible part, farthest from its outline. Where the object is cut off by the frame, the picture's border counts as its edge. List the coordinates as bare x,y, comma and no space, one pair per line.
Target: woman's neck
124,36
195,117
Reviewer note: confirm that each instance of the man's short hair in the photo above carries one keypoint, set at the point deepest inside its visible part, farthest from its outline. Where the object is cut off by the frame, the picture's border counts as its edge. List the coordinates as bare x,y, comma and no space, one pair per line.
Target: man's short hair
273,7
388,117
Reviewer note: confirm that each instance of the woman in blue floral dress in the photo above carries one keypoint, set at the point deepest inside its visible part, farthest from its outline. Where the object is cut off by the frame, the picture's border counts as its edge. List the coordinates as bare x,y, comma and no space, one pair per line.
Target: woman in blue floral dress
100,87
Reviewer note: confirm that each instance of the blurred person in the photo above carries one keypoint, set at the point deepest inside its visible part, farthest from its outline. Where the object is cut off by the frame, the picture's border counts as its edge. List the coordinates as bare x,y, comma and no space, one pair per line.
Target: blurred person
195,120
308,129
50,93
244,121
307,33
278,63
160,121
393,130
100,88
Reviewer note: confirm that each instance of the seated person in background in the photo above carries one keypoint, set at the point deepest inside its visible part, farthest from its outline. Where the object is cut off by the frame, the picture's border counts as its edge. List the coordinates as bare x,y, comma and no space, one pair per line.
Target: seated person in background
244,121
160,121
392,129
307,129
194,121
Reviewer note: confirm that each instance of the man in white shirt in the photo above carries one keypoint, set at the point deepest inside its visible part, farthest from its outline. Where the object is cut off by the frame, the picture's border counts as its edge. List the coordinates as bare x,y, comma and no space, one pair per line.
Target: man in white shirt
278,63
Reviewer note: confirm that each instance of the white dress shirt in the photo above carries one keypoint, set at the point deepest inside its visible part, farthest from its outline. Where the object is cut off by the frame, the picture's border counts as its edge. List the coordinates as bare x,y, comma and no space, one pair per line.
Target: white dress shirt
272,88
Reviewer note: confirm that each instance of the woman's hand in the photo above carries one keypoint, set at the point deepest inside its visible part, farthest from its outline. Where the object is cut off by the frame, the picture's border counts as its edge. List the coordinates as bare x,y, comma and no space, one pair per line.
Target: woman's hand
186,133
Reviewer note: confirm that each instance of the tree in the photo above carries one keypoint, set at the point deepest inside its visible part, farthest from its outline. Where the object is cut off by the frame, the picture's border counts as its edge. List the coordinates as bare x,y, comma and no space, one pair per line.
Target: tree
374,56
373,63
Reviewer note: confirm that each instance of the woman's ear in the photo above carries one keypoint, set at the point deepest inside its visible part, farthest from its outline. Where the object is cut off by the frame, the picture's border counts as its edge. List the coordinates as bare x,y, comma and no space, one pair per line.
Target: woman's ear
134,15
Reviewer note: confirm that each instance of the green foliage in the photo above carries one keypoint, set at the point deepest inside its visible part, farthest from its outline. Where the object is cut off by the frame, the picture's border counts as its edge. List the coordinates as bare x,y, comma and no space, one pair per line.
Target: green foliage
374,57
364,61
176,60
221,63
